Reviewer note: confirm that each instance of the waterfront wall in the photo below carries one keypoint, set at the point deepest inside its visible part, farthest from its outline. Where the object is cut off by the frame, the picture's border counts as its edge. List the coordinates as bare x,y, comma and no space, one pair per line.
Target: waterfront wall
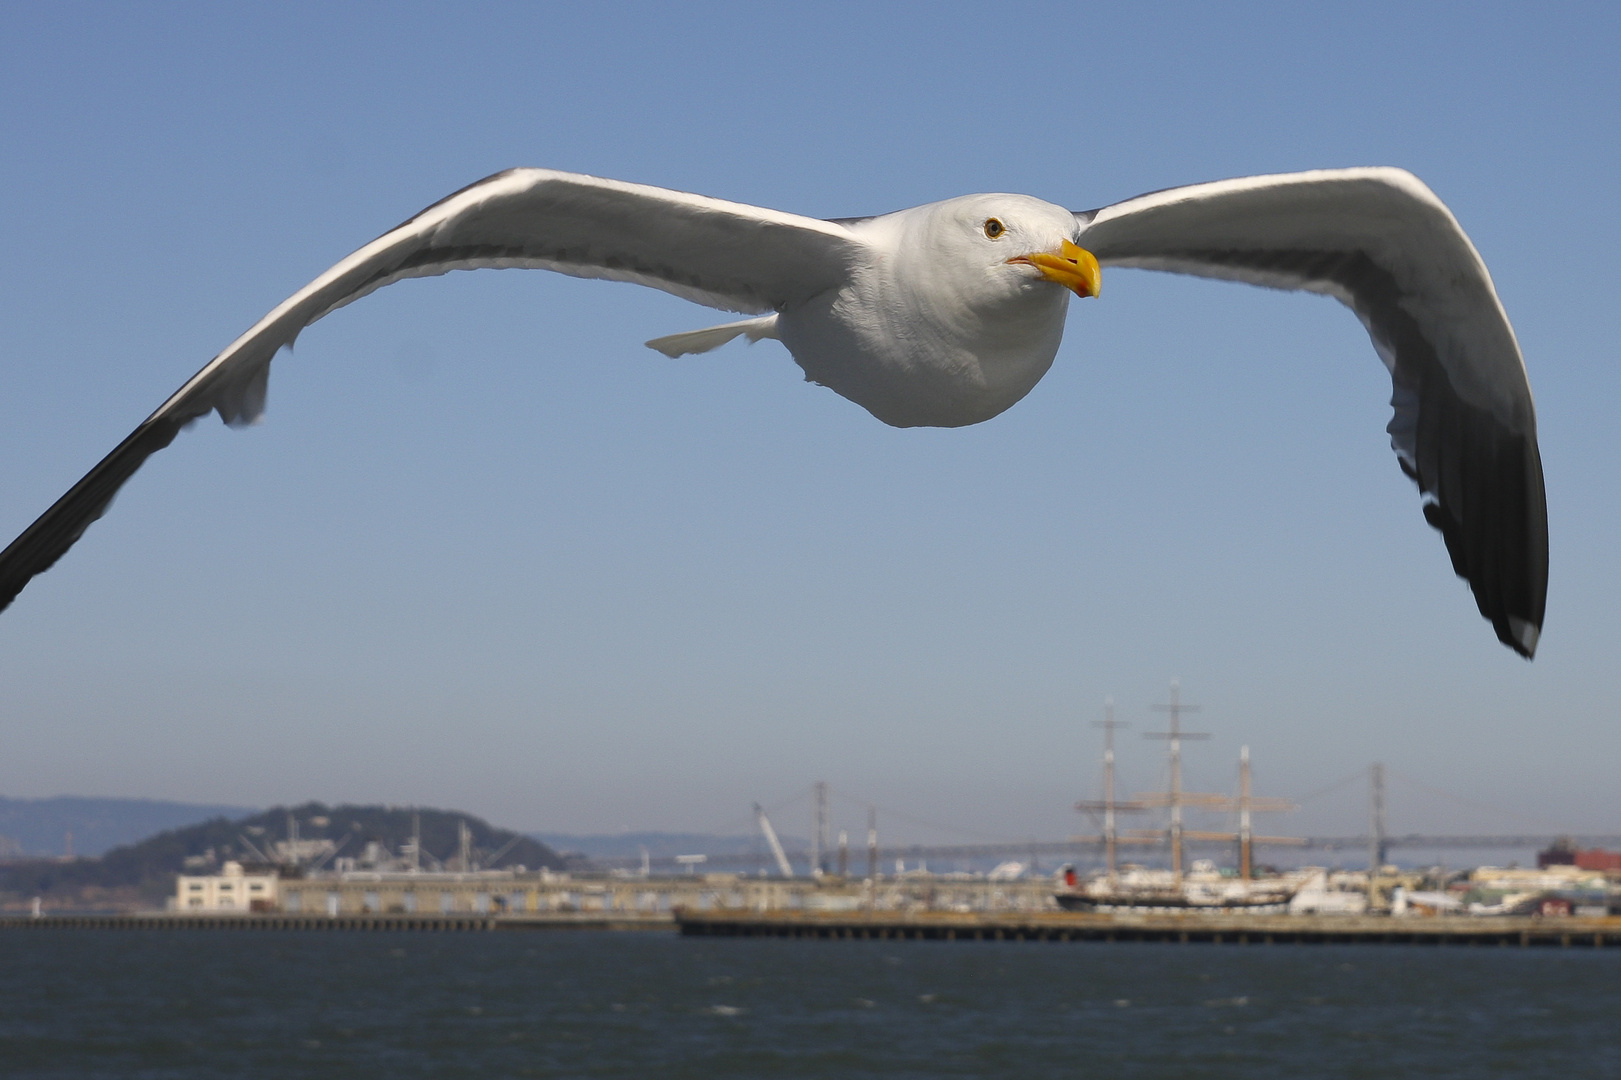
549,893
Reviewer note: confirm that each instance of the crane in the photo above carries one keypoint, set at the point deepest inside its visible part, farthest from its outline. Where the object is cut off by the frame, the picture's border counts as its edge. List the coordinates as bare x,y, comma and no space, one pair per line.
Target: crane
771,838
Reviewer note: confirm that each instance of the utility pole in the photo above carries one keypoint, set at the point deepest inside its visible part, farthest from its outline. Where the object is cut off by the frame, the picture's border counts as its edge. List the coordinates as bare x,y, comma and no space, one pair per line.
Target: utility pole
1245,835
819,831
1376,825
872,842
1175,736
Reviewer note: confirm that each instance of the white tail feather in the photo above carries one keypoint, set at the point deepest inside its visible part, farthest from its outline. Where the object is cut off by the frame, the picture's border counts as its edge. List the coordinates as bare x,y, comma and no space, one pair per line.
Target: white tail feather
701,341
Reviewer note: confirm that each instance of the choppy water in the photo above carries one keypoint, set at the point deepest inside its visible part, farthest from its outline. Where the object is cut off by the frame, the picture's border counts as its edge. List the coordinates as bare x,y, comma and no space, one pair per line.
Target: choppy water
231,1004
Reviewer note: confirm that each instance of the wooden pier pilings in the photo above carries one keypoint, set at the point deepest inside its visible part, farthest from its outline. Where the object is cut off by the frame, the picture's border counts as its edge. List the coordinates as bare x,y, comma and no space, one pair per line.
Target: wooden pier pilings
1211,929
451,923
1183,928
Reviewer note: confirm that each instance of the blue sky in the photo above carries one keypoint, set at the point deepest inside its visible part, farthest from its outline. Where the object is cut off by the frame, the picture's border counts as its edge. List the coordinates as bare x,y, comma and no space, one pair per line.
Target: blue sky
488,551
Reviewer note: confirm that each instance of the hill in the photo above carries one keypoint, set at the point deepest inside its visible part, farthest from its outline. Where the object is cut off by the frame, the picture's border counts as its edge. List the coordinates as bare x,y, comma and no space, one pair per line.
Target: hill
142,874
40,827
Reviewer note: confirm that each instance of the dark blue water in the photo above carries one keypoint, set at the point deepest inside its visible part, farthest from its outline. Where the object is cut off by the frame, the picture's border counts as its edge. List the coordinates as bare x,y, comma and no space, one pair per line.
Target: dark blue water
230,1004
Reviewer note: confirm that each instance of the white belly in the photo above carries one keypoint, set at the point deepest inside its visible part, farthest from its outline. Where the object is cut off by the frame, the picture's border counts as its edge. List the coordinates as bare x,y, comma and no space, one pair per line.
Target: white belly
925,364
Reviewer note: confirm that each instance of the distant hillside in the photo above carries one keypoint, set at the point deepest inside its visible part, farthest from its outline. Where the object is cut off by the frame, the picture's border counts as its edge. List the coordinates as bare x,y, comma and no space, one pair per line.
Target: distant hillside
41,826
142,875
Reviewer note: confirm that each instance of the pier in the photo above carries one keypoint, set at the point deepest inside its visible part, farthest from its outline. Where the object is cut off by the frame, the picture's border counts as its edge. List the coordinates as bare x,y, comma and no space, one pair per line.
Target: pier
1181,928
372,923
1009,926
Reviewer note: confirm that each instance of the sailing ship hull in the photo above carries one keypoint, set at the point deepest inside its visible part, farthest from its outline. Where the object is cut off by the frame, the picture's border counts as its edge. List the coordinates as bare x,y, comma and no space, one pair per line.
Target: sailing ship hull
1170,901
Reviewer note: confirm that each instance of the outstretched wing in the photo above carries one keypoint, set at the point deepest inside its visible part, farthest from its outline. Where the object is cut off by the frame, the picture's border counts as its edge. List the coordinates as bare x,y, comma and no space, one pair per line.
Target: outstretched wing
1379,241
721,254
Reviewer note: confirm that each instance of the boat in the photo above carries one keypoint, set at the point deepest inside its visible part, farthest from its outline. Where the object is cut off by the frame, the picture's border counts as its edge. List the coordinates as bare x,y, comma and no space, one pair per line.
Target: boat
1203,890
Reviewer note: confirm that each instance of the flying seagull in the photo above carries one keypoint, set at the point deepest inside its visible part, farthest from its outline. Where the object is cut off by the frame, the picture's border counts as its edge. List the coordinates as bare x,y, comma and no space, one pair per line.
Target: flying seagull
947,314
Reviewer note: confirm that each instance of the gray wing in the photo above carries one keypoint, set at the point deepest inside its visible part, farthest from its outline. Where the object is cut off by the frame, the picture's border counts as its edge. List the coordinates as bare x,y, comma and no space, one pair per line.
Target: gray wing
1379,241
721,254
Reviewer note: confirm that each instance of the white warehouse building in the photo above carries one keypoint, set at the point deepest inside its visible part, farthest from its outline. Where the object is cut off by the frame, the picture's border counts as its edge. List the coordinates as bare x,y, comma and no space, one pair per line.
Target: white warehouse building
232,889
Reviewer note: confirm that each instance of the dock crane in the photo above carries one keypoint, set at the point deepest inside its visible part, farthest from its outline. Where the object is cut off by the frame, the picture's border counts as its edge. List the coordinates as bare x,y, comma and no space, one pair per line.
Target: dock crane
771,838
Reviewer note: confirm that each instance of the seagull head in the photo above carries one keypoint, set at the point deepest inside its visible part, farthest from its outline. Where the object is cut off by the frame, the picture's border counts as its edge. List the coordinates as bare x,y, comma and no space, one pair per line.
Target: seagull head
1010,242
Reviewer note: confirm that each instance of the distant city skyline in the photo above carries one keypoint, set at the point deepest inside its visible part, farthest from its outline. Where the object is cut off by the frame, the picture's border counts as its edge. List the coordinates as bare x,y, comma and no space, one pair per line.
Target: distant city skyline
489,552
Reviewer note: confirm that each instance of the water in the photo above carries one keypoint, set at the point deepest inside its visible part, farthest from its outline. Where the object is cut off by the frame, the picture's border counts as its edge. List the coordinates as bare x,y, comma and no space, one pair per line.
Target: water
163,1004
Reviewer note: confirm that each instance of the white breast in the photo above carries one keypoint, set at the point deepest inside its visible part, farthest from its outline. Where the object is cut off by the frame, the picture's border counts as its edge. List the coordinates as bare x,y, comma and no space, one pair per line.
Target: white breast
920,339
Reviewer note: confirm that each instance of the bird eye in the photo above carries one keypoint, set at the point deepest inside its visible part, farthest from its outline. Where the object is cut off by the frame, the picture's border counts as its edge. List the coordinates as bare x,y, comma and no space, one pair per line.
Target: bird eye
994,228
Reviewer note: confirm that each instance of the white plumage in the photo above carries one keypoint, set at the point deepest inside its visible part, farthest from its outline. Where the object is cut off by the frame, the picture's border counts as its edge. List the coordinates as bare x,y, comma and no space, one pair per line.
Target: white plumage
947,314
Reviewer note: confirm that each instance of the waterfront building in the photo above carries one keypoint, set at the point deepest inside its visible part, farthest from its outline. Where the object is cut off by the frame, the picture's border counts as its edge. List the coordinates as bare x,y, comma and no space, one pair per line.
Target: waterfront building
234,888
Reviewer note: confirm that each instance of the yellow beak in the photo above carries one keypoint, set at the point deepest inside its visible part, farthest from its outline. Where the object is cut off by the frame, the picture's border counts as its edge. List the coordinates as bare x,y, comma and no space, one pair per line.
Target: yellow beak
1074,268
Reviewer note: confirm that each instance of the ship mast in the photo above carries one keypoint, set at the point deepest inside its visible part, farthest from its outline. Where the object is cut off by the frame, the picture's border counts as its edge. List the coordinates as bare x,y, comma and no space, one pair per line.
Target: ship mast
1111,806
1111,827
1175,736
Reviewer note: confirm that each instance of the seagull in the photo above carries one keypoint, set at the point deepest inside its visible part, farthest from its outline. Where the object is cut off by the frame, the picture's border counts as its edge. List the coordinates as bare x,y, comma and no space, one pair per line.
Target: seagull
947,314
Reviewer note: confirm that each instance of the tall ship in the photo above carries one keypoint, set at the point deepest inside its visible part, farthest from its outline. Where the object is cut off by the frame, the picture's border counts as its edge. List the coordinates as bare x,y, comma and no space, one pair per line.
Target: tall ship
1202,888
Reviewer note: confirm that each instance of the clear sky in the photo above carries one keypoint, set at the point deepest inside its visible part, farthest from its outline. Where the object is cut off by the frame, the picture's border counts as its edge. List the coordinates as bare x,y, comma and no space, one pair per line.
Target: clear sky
488,551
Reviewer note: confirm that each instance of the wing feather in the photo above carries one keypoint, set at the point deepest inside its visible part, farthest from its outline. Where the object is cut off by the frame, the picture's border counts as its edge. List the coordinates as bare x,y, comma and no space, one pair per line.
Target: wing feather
1383,244
721,254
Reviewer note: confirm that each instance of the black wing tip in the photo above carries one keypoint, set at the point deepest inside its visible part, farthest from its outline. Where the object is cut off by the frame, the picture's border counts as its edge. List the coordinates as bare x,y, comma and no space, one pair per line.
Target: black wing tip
59,528
1518,634
1518,631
